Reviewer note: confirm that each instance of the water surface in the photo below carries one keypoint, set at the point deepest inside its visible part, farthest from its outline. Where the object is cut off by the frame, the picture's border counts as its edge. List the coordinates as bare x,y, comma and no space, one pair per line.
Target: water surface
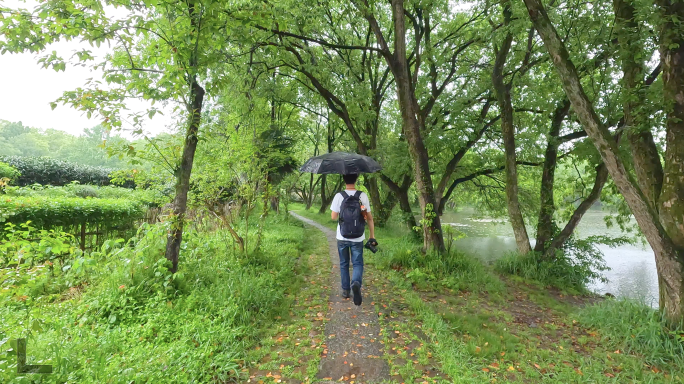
632,267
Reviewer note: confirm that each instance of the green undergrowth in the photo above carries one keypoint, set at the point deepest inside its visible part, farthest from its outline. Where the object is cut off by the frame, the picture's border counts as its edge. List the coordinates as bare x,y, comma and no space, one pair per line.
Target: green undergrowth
571,274
122,317
485,327
636,328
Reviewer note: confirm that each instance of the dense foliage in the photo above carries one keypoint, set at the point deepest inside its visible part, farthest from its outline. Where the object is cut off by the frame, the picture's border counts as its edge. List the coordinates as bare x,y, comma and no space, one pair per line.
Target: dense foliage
50,171
52,212
119,313
147,197
7,174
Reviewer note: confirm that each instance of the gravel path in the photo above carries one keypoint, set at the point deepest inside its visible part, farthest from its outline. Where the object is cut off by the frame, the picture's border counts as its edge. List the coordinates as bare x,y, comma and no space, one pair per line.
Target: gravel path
354,352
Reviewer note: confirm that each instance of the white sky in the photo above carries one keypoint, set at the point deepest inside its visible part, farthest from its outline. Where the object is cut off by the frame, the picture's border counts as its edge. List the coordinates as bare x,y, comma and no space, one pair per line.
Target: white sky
26,90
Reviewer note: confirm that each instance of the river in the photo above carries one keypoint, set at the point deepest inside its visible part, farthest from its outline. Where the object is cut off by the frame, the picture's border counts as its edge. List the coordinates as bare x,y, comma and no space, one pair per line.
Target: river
632,267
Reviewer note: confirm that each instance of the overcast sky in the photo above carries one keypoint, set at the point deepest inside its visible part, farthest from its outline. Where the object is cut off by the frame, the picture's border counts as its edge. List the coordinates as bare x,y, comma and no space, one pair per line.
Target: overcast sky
27,89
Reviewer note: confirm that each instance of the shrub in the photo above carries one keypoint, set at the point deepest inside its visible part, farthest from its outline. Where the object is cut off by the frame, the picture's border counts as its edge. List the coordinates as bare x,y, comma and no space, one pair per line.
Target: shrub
85,191
147,197
8,172
7,175
48,171
51,212
24,246
451,269
573,268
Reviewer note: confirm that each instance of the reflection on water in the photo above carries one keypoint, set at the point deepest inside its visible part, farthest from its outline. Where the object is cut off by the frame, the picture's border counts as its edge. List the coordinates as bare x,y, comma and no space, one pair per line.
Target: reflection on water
632,268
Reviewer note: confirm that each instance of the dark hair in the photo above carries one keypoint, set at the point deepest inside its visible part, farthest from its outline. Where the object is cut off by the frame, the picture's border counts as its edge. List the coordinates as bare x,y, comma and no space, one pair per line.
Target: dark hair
350,179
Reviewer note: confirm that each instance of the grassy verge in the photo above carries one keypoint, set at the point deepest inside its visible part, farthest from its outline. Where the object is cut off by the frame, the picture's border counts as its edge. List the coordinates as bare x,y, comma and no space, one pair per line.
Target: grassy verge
485,327
119,316
290,352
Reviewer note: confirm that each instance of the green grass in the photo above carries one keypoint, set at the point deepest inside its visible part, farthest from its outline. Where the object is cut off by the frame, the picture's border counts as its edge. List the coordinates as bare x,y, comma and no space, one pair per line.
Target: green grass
292,348
636,328
126,319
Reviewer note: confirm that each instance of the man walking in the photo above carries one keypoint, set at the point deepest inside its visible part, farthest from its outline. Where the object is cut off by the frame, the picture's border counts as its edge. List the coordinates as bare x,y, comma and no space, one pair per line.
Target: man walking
352,210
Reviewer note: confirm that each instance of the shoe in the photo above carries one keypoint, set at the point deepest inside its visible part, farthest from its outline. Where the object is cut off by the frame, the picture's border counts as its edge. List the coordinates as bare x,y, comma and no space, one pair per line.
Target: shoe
356,288
345,293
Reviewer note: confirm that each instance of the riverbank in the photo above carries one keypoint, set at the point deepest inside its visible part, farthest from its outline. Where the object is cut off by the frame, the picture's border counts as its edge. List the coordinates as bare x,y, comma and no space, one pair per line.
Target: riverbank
480,326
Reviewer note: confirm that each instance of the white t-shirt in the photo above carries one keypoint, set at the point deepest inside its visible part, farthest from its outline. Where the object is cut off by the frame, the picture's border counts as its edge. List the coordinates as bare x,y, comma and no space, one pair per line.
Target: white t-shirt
337,204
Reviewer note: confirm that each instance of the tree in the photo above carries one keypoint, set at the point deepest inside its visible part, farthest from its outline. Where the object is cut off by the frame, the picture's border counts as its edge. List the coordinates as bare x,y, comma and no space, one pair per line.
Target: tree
345,73
163,51
663,227
503,95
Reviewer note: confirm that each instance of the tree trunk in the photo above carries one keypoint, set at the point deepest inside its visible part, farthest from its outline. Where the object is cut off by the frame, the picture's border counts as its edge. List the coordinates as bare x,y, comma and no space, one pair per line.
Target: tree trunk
548,207
432,228
175,236
407,211
226,222
275,202
326,199
594,195
324,192
381,213
672,197
309,199
668,254
503,96
401,194
647,166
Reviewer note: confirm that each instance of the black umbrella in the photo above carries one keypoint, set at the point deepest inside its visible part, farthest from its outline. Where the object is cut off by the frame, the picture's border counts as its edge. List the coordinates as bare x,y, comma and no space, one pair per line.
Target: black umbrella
342,163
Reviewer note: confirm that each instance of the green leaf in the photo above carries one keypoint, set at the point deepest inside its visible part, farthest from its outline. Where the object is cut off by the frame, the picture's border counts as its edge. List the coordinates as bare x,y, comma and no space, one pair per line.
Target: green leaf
36,326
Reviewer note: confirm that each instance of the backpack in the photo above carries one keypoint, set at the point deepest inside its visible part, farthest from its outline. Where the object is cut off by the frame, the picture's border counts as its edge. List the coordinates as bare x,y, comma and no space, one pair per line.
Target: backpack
352,222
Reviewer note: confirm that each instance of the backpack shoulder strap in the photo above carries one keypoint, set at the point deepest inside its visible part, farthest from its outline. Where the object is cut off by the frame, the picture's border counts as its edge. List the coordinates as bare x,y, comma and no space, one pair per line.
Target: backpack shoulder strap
358,194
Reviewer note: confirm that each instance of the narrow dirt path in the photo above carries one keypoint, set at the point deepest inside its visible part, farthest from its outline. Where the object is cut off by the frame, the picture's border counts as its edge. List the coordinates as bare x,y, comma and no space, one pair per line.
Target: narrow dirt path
354,352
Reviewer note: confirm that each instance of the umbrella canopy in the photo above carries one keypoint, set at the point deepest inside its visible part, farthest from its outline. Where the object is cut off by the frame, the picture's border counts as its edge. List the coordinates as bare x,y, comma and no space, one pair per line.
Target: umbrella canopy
342,163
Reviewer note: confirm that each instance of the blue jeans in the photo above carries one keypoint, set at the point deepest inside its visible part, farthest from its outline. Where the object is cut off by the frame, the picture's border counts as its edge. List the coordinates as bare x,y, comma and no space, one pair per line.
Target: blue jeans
344,248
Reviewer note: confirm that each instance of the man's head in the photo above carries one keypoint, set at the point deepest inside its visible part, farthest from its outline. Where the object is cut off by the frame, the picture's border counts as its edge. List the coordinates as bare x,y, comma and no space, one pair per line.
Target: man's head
350,179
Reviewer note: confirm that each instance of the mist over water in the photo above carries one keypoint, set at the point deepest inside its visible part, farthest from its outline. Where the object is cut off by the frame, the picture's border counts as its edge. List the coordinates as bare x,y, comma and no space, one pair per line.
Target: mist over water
632,267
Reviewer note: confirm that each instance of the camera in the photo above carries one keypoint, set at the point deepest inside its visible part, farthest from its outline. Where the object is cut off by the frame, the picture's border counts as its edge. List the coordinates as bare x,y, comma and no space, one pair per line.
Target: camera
372,245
